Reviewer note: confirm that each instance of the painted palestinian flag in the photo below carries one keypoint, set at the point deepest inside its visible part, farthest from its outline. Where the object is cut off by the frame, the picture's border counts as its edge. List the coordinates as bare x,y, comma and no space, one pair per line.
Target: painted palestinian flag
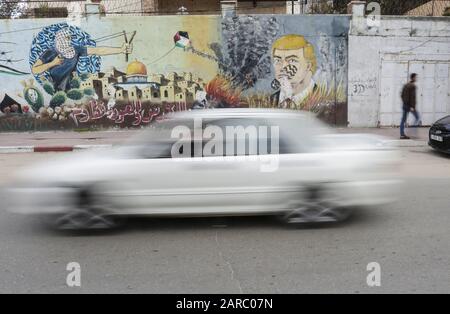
181,39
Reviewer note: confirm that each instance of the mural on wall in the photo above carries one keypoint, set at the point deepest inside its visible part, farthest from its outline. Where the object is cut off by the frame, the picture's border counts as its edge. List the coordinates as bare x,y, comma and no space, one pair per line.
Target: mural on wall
72,77
287,62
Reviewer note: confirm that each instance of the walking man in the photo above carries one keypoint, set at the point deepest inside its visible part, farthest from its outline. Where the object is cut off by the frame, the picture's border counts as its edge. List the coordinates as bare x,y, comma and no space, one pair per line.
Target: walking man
409,104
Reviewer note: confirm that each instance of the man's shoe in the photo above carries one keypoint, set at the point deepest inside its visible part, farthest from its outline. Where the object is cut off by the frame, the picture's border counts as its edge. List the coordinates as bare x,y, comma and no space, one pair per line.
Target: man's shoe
404,137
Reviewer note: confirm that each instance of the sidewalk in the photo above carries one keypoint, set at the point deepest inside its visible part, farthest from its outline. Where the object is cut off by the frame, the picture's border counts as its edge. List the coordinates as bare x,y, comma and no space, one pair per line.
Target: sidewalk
419,136
61,140
70,140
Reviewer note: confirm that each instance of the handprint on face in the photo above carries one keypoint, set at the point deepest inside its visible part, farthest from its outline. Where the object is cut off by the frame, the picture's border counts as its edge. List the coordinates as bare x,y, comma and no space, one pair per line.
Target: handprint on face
288,73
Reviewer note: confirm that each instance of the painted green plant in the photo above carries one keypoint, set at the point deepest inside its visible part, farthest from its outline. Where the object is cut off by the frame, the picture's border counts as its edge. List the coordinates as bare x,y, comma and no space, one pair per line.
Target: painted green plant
58,99
75,83
34,98
88,91
48,87
84,76
75,94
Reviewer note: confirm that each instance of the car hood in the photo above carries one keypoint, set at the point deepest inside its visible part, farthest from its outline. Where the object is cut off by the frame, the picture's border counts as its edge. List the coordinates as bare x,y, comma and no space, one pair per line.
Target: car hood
443,126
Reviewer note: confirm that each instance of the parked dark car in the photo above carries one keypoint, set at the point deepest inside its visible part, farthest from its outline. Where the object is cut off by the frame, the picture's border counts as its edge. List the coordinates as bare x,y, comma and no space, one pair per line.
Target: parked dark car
439,135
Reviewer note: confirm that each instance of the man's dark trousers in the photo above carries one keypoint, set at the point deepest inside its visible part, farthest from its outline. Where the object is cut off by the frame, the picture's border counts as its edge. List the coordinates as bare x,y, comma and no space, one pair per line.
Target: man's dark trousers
406,110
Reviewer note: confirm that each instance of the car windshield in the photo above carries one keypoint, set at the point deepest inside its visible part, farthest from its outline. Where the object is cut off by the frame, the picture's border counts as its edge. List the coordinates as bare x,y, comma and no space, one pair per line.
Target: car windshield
156,140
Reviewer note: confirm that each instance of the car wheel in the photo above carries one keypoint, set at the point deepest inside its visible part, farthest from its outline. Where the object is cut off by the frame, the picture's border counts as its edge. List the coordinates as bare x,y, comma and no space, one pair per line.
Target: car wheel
86,214
317,204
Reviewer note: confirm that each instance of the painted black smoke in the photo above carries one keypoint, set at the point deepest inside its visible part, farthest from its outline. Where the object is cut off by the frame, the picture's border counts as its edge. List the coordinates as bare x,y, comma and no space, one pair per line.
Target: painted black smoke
245,55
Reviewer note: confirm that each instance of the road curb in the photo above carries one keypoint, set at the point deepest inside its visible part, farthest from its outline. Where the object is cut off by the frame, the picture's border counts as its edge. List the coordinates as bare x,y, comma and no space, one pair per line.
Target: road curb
46,149
408,143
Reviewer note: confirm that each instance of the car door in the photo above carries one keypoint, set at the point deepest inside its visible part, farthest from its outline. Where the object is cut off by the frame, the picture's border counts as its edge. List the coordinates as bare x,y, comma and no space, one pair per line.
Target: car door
200,176
290,165
229,165
151,181
172,175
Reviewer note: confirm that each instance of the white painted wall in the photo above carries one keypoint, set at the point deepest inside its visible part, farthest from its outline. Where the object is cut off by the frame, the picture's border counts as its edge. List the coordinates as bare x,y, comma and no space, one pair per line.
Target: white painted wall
380,59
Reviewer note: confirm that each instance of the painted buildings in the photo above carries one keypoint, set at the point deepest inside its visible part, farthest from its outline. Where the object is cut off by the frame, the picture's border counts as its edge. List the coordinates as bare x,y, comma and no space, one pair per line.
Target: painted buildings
136,84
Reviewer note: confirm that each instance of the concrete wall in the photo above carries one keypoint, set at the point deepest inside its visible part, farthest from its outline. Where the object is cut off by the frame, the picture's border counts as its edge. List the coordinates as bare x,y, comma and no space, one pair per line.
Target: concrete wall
380,59
176,62
195,7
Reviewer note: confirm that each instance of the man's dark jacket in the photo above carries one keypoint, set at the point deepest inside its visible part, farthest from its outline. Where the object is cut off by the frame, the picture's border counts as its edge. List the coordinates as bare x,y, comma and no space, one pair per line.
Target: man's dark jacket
409,95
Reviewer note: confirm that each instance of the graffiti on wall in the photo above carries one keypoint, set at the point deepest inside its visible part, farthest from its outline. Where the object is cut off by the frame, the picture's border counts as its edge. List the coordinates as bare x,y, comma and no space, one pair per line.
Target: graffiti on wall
73,77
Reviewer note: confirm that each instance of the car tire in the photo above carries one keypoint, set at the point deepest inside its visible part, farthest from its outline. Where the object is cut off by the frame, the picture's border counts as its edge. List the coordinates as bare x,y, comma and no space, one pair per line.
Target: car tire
86,213
316,205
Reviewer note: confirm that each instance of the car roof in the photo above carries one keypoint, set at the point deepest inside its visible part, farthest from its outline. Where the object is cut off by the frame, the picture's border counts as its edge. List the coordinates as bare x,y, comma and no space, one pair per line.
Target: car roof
240,112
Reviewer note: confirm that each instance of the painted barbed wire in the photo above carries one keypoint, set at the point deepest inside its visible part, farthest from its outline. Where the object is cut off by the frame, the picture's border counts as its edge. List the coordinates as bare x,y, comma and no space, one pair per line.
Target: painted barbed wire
7,59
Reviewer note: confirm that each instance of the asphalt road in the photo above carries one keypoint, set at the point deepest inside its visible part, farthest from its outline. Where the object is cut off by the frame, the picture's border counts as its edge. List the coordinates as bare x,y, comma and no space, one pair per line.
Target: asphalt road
410,239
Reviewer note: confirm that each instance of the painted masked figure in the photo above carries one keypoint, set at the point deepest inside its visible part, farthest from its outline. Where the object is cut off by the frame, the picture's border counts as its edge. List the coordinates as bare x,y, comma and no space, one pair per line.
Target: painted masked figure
61,60
295,63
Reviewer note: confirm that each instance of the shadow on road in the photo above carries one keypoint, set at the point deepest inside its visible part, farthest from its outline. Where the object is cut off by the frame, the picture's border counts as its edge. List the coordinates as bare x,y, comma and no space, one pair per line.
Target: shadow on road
440,154
360,217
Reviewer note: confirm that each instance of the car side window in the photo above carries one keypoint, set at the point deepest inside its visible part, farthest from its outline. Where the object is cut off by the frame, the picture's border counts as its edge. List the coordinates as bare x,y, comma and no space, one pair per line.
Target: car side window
161,138
225,136
157,149
236,136
292,137
187,149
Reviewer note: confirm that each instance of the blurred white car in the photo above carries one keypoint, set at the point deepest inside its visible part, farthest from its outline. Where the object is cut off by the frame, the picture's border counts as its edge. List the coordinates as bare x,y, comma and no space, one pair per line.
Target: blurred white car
214,163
